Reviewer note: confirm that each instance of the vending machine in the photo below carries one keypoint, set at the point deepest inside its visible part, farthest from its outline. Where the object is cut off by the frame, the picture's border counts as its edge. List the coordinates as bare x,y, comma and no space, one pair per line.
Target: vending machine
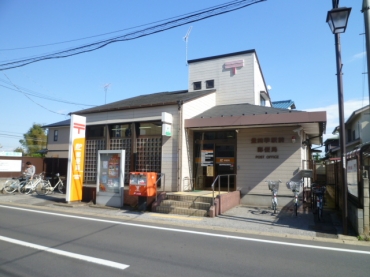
110,178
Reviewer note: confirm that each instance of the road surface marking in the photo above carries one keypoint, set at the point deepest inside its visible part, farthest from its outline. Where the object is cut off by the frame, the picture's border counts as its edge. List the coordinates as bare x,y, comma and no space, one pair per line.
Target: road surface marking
194,232
65,253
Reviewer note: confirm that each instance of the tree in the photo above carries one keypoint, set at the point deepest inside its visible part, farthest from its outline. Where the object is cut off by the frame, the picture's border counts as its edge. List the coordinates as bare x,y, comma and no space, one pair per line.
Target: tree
20,149
34,140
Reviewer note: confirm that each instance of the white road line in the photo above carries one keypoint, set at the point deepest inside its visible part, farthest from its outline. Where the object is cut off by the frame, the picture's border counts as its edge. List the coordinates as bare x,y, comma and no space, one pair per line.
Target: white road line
65,253
195,232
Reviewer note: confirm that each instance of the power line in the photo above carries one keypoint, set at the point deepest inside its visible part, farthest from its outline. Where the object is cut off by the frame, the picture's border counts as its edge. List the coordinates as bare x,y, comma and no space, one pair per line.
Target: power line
188,18
45,96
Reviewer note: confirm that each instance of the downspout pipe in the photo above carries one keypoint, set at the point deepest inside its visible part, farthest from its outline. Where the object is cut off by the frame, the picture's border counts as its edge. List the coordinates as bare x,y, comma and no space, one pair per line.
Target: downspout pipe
179,145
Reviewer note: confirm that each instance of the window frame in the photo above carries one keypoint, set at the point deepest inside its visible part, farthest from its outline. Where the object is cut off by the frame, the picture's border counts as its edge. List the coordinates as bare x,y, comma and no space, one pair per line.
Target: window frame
197,85
210,83
56,135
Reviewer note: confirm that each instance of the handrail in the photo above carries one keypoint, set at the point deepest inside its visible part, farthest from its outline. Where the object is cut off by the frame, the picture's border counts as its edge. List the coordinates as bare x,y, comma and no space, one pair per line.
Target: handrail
219,190
164,179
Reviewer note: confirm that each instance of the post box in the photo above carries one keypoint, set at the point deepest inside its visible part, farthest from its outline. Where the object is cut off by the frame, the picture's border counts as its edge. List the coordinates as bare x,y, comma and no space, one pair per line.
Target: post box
143,183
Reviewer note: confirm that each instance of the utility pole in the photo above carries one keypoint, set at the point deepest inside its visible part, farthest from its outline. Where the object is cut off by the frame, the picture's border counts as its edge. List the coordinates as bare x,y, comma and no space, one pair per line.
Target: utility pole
365,11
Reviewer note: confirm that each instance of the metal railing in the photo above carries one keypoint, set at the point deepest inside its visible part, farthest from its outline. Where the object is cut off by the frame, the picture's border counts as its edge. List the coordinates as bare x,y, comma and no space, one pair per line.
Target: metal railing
219,185
156,184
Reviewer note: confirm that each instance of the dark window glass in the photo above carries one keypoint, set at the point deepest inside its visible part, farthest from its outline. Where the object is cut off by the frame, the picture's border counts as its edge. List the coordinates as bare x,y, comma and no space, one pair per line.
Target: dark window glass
95,131
349,133
210,84
55,135
197,85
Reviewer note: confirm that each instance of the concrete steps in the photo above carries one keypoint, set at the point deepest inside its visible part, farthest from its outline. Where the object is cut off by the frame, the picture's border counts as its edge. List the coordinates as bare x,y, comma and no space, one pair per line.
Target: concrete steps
191,205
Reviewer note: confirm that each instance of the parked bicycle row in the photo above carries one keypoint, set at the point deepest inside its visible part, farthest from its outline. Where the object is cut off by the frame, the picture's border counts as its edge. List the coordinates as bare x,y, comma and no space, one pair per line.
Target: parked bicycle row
37,183
317,196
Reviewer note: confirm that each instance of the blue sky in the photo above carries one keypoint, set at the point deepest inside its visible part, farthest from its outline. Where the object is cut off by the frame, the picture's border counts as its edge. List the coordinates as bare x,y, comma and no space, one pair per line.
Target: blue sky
293,42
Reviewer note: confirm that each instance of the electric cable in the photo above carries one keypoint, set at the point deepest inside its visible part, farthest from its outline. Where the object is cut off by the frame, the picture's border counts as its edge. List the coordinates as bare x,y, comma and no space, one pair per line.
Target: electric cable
193,17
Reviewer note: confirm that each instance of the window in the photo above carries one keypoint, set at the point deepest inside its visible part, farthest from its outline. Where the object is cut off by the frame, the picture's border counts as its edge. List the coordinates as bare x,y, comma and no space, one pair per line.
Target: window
120,131
349,134
94,132
55,135
197,85
210,84
263,101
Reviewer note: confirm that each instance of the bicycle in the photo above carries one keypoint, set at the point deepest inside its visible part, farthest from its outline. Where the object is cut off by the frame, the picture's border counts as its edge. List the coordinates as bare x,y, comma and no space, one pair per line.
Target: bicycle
296,189
46,188
29,186
274,187
319,192
11,185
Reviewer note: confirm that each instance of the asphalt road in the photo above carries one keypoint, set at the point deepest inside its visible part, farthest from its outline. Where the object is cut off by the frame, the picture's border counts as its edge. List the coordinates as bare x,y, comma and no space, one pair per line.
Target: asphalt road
39,243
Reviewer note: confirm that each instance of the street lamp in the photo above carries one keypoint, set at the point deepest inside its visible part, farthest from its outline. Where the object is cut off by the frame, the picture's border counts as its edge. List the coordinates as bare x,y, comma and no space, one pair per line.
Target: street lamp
337,19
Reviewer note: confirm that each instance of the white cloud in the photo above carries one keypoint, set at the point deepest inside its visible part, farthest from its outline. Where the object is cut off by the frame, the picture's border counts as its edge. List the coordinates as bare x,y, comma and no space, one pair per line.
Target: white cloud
358,56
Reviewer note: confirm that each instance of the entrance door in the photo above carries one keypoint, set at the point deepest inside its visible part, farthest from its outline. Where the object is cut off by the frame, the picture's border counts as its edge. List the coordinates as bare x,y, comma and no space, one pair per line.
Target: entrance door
214,154
225,165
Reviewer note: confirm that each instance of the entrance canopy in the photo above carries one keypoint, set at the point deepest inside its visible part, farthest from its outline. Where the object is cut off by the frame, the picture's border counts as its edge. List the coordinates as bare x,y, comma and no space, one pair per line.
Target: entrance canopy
248,116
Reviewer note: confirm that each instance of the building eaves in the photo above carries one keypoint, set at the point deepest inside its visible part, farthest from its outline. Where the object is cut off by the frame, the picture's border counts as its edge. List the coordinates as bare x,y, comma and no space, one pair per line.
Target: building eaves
248,115
356,112
148,100
241,110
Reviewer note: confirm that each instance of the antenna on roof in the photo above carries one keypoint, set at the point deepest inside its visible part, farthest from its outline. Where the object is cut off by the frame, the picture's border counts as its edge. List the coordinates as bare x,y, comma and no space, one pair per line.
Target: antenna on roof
106,86
186,38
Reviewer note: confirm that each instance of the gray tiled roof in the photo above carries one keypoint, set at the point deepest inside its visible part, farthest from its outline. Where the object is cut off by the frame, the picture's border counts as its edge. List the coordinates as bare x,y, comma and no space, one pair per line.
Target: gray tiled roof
148,100
241,109
58,124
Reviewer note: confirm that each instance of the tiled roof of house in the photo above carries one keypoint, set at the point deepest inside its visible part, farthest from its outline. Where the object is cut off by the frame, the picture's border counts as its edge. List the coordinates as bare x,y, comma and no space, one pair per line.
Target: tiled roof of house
284,104
58,124
148,100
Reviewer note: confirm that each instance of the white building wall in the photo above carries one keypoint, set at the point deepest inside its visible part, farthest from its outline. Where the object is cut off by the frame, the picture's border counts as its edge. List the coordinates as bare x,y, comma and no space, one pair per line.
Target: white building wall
191,109
231,88
364,126
253,171
259,84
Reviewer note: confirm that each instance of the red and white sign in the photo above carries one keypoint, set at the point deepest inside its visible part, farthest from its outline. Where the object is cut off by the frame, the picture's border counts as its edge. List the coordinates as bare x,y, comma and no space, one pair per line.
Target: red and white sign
234,64
76,158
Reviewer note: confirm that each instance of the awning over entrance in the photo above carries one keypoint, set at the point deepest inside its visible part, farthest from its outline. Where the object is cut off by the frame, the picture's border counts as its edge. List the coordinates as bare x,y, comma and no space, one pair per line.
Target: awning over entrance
247,115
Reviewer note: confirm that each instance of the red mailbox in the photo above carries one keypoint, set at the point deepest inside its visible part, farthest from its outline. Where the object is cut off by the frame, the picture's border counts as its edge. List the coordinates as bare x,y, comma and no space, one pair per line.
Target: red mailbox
143,183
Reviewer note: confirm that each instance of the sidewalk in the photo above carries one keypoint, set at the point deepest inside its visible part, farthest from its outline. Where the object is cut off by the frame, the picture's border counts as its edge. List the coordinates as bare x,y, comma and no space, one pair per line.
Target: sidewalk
241,219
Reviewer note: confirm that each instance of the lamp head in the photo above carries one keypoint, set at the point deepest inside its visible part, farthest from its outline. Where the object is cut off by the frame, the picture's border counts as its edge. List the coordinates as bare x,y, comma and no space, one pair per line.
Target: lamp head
337,19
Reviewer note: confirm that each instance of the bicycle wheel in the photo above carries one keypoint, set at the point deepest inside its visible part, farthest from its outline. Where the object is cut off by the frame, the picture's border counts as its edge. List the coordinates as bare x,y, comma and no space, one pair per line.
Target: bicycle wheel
24,187
11,185
43,188
61,187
